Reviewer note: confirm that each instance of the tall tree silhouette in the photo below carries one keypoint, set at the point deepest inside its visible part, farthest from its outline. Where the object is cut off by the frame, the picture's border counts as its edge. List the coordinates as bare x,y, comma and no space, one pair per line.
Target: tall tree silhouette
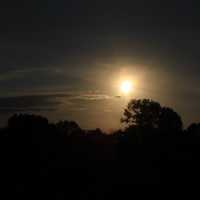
146,113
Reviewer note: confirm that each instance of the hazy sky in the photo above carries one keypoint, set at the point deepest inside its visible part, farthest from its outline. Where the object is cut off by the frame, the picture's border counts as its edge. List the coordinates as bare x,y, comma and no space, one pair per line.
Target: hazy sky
64,58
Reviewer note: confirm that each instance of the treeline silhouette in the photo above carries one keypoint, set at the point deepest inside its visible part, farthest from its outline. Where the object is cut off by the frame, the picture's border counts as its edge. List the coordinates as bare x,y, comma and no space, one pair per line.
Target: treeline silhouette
60,160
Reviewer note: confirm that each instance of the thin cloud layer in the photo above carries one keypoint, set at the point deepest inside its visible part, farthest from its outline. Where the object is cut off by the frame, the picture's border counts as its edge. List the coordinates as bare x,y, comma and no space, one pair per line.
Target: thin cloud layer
48,102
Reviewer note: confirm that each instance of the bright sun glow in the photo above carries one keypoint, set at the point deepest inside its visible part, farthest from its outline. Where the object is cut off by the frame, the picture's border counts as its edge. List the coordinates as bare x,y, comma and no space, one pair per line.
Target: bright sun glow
126,86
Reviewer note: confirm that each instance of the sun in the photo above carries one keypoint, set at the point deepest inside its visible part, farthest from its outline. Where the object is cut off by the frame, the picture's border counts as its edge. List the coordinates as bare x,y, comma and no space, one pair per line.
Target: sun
126,87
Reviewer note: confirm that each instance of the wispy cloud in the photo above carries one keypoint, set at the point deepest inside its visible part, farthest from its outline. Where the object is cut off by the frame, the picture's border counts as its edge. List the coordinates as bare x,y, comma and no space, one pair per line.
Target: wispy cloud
28,103
92,97
48,102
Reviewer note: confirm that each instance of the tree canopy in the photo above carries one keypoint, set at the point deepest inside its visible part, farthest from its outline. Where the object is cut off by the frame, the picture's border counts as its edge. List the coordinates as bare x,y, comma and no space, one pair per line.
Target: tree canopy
147,113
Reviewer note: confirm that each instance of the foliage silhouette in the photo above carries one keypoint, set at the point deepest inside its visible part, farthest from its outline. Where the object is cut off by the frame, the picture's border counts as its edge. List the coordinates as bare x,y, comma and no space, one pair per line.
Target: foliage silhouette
142,113
193,129
149,114
58,161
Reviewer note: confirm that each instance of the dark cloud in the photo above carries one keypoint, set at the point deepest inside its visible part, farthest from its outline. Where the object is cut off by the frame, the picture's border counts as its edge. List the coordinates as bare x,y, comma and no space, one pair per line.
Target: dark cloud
28,103
48,78
49,102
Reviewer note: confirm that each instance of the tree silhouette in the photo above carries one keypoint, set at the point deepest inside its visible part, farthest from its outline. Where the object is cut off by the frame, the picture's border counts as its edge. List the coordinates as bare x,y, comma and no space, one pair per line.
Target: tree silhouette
146,113
47,158
169,120
142,113
68,127
193,129
27,122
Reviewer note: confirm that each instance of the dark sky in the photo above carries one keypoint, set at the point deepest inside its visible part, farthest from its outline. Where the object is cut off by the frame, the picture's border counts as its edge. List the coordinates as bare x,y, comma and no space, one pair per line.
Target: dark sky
62,56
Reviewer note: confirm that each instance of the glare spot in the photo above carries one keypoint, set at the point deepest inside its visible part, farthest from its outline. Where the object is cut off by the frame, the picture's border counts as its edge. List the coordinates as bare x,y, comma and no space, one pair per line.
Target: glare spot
126,87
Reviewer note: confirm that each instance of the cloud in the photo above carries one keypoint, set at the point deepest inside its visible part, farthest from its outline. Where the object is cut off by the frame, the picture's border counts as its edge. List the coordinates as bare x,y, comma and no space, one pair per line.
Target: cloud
92,97
34,79
48,102
28,103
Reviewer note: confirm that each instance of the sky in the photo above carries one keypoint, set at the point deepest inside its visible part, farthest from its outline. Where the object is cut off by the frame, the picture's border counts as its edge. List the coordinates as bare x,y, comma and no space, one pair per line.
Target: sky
64,59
